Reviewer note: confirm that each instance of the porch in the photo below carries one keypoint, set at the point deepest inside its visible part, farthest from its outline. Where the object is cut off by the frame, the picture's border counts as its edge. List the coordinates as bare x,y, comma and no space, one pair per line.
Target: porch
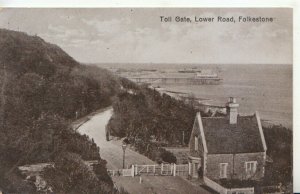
195,167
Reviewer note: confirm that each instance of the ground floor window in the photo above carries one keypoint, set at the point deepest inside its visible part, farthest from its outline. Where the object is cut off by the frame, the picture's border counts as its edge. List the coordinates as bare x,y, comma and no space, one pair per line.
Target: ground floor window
223,170
250,167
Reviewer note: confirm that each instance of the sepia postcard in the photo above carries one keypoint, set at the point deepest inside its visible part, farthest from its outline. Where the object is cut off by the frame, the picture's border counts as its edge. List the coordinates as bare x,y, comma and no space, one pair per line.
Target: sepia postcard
146,100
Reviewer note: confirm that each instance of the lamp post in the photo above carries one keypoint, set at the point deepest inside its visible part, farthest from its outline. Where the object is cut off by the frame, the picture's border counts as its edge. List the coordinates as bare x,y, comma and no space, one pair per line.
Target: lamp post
124,148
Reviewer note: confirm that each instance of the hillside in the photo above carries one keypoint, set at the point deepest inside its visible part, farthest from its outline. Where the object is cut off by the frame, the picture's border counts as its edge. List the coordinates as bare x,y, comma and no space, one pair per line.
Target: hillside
43,90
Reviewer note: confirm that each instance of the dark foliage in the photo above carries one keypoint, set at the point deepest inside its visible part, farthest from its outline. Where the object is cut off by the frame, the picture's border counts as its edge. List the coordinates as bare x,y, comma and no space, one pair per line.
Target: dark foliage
150,120
279,143
42,91
167,156
143,113
154,151
71,175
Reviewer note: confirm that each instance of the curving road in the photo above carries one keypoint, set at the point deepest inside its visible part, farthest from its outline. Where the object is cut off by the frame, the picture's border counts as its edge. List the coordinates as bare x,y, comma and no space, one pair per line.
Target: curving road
111,151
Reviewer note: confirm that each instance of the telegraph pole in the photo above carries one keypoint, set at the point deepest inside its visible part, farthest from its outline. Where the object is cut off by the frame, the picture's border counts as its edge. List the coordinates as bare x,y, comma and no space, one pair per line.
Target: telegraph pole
124,148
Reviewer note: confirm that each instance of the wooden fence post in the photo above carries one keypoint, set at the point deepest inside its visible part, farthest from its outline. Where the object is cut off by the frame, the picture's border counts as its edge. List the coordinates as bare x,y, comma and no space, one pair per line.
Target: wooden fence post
132,170
174,174
147,169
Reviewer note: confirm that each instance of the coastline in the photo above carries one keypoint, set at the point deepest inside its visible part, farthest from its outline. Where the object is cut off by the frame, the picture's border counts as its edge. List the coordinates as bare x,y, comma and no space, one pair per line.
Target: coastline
268,118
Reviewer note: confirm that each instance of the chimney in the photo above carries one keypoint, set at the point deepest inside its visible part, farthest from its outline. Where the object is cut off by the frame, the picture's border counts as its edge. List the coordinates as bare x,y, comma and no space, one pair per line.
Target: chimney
232,110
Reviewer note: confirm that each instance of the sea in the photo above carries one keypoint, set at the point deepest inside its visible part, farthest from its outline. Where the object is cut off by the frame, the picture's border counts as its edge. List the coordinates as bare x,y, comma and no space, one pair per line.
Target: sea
266,88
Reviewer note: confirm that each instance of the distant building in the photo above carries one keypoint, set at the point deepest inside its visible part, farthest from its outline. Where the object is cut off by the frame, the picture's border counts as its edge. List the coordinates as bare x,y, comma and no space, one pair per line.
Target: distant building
229,147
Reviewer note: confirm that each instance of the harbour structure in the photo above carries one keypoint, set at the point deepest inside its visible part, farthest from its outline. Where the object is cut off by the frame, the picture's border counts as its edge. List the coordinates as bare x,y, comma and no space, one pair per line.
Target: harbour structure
192,76
197,80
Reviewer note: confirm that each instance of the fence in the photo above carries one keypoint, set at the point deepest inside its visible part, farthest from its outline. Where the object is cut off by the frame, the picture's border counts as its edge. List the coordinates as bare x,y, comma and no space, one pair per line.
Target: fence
152,169
121,172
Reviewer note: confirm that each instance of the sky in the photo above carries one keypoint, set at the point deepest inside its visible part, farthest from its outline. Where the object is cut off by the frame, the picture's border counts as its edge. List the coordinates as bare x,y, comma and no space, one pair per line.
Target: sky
124,35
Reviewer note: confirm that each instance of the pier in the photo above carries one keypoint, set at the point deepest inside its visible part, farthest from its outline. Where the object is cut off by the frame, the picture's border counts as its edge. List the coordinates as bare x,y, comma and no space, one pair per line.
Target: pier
176,80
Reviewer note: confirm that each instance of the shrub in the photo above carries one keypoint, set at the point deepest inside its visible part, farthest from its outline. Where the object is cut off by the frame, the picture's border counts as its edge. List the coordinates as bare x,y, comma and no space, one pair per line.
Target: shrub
167,156
279,143
71,175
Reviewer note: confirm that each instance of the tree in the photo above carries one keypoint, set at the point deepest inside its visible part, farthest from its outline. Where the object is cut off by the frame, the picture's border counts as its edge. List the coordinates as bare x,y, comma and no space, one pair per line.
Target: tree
71,175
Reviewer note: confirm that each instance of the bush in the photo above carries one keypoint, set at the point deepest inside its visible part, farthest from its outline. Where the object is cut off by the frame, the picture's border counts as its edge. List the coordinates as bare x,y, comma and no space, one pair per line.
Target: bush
167,156
279,144
71,175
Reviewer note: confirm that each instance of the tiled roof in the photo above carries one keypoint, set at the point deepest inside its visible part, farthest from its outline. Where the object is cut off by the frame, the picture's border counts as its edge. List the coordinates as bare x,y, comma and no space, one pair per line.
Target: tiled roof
223,138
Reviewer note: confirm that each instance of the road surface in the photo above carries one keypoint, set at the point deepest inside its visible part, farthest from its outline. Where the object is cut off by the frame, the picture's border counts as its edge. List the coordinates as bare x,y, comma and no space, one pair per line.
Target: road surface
112,152
159,185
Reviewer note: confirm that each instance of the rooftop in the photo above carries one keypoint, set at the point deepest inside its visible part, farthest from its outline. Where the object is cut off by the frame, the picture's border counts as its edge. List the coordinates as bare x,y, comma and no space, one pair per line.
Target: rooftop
223,138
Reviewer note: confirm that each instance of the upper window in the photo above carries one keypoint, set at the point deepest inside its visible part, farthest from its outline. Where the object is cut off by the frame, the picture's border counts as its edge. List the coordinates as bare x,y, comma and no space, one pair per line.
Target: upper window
250,167
196,143
223,170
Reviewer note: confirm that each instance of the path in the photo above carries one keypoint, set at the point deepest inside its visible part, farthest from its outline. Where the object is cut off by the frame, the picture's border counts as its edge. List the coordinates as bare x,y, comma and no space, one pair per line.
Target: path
111,151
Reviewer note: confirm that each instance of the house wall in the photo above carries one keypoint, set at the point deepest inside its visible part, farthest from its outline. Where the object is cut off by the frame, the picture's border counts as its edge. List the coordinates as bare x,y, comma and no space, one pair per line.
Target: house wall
240,165
236,165
213,165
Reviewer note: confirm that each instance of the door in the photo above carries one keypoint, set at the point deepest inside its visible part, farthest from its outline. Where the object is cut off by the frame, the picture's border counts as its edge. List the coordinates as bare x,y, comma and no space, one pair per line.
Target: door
195,170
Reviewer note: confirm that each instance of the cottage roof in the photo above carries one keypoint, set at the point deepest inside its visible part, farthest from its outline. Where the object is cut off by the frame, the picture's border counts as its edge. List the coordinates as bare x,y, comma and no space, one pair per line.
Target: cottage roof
224,138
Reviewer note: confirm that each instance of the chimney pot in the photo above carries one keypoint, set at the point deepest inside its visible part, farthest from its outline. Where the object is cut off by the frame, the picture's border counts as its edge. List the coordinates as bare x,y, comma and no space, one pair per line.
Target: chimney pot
232,110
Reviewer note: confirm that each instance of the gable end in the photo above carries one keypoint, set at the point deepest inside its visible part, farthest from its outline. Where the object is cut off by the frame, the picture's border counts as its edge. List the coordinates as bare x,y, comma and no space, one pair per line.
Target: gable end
198,117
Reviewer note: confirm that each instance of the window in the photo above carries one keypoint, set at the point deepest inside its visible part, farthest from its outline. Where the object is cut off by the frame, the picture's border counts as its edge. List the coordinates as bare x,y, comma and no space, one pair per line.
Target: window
223,170
196,143
250,167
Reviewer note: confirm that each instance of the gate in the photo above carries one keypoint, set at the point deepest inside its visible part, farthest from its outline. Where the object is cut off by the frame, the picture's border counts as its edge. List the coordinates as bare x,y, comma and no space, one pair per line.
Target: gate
127,172
167,169
182,170
122,172
146,169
